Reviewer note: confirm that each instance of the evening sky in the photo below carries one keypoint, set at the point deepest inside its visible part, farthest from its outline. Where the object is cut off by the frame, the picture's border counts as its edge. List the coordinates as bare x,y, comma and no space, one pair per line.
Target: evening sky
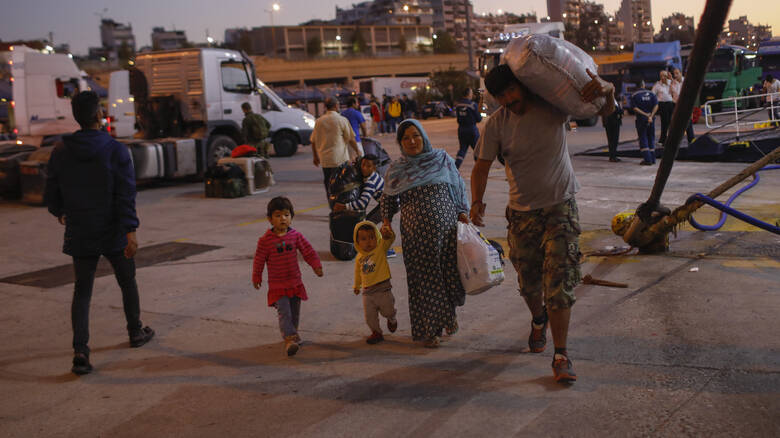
77,22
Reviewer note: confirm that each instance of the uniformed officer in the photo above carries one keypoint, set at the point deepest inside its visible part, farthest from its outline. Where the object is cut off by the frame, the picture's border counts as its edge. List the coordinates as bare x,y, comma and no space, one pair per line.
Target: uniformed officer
645,105
468,117
612,124
255,128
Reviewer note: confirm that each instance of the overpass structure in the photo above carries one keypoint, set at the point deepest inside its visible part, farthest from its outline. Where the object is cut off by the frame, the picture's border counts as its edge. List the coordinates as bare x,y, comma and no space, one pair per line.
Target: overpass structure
279,72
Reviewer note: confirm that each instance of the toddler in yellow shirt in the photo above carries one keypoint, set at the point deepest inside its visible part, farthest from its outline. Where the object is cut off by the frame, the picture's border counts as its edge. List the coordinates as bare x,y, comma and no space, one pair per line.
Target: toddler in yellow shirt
372,274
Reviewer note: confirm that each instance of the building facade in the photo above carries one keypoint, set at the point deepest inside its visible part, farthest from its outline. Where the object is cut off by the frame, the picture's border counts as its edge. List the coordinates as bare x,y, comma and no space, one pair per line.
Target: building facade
613,34
452,16
742,33
168,39
300,42
676,27
636,16
387,12
115,36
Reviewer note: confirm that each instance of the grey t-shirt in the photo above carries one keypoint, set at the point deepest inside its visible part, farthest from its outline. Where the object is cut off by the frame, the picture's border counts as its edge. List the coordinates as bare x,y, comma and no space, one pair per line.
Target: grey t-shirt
534,148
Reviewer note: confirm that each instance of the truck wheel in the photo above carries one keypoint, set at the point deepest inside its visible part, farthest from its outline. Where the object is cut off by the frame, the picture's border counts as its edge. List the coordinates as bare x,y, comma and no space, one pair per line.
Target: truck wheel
220,146
285,144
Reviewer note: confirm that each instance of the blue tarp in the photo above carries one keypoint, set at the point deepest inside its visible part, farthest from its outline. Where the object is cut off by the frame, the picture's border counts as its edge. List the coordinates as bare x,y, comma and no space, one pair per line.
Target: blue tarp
285,94
309,93
657,52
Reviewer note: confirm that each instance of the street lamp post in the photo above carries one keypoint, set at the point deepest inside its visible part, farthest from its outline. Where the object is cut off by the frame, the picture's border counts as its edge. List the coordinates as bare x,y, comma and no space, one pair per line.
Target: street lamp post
274,8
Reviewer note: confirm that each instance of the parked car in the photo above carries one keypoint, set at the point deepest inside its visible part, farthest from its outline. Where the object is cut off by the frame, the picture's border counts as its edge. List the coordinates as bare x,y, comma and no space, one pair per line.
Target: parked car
436,108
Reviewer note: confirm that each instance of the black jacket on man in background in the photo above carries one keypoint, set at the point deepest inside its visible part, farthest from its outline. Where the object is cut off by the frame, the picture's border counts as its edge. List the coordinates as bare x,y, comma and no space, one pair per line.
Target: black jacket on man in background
91,182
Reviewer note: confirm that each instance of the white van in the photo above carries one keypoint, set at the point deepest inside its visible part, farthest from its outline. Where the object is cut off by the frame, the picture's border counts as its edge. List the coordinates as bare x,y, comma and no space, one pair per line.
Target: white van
289,126
121,109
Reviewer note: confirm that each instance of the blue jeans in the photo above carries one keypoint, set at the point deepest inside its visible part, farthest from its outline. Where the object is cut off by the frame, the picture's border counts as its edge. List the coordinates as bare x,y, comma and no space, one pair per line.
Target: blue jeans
391,124
84,268
289,311
646,134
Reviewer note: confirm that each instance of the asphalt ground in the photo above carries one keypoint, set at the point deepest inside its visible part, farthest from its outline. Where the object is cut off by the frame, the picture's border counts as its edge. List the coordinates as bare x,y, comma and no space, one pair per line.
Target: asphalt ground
688,348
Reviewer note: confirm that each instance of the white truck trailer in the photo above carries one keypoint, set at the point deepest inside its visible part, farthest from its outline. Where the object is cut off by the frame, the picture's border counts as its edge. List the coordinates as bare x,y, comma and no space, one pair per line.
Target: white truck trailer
42,85
197,94
396,86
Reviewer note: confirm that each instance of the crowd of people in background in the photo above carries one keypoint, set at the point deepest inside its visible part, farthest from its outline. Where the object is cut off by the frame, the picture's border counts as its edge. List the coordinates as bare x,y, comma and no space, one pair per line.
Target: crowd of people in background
388,113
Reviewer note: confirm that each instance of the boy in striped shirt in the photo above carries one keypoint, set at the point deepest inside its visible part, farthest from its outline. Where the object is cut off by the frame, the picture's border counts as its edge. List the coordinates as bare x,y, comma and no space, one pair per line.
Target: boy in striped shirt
278,249
372,187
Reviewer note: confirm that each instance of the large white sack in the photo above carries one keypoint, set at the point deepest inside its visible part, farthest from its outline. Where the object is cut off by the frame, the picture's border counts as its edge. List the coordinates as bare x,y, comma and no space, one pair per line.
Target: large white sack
479,264
554,69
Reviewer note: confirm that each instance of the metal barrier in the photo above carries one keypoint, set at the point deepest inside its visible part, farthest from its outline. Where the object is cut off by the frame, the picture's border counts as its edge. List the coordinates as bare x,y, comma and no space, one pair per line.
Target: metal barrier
742,117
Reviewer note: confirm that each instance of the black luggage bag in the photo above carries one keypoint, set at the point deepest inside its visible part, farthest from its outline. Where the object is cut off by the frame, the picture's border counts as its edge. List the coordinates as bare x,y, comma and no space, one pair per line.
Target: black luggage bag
343,187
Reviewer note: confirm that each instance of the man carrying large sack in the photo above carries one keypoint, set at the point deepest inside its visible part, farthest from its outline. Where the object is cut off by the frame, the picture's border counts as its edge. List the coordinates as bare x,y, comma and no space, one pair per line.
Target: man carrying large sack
542,213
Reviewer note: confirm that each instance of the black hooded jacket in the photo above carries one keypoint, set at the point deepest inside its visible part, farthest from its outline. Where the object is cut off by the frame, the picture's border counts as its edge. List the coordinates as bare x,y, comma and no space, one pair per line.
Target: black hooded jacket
92,182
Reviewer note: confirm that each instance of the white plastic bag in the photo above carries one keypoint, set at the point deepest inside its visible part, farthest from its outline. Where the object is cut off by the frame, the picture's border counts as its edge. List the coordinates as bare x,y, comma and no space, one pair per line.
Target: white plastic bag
554,69
479,264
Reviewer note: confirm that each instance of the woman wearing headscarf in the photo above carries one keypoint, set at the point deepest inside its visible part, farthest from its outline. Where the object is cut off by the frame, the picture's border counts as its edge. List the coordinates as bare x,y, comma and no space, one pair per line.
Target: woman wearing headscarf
425,186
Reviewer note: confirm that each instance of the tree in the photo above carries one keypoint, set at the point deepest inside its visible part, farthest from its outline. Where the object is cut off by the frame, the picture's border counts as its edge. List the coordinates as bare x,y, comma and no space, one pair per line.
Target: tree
451,83
402,43
314,46
444,43
684,36
359,44
425,95
592,20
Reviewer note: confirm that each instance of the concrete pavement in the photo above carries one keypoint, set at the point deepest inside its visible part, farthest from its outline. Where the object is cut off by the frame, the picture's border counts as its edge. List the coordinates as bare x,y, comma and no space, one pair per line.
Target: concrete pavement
687,349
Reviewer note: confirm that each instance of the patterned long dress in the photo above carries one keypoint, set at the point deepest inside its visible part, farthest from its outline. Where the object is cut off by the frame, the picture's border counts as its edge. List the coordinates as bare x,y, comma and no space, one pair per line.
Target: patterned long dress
428,238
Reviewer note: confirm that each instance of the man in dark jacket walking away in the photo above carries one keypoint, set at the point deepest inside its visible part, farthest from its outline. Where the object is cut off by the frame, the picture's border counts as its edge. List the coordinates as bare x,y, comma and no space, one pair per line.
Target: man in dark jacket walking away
468,117
91,190
255,129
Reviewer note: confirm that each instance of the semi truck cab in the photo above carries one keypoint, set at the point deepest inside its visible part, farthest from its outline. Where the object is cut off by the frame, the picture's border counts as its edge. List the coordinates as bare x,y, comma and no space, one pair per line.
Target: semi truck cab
198,93
733,72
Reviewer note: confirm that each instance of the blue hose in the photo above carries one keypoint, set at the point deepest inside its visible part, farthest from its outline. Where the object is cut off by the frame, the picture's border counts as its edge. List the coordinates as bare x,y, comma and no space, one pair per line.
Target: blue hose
726,208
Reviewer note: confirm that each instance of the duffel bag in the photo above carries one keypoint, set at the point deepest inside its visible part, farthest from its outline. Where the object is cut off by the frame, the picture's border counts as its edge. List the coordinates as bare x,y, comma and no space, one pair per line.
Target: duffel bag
555,70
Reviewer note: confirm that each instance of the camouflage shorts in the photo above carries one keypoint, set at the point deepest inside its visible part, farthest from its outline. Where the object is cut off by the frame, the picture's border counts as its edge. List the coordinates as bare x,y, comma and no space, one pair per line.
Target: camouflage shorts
545,251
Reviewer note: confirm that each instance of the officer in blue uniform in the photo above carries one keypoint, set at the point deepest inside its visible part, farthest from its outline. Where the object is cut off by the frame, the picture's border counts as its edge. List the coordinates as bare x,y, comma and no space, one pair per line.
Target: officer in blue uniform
645,105
468,117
